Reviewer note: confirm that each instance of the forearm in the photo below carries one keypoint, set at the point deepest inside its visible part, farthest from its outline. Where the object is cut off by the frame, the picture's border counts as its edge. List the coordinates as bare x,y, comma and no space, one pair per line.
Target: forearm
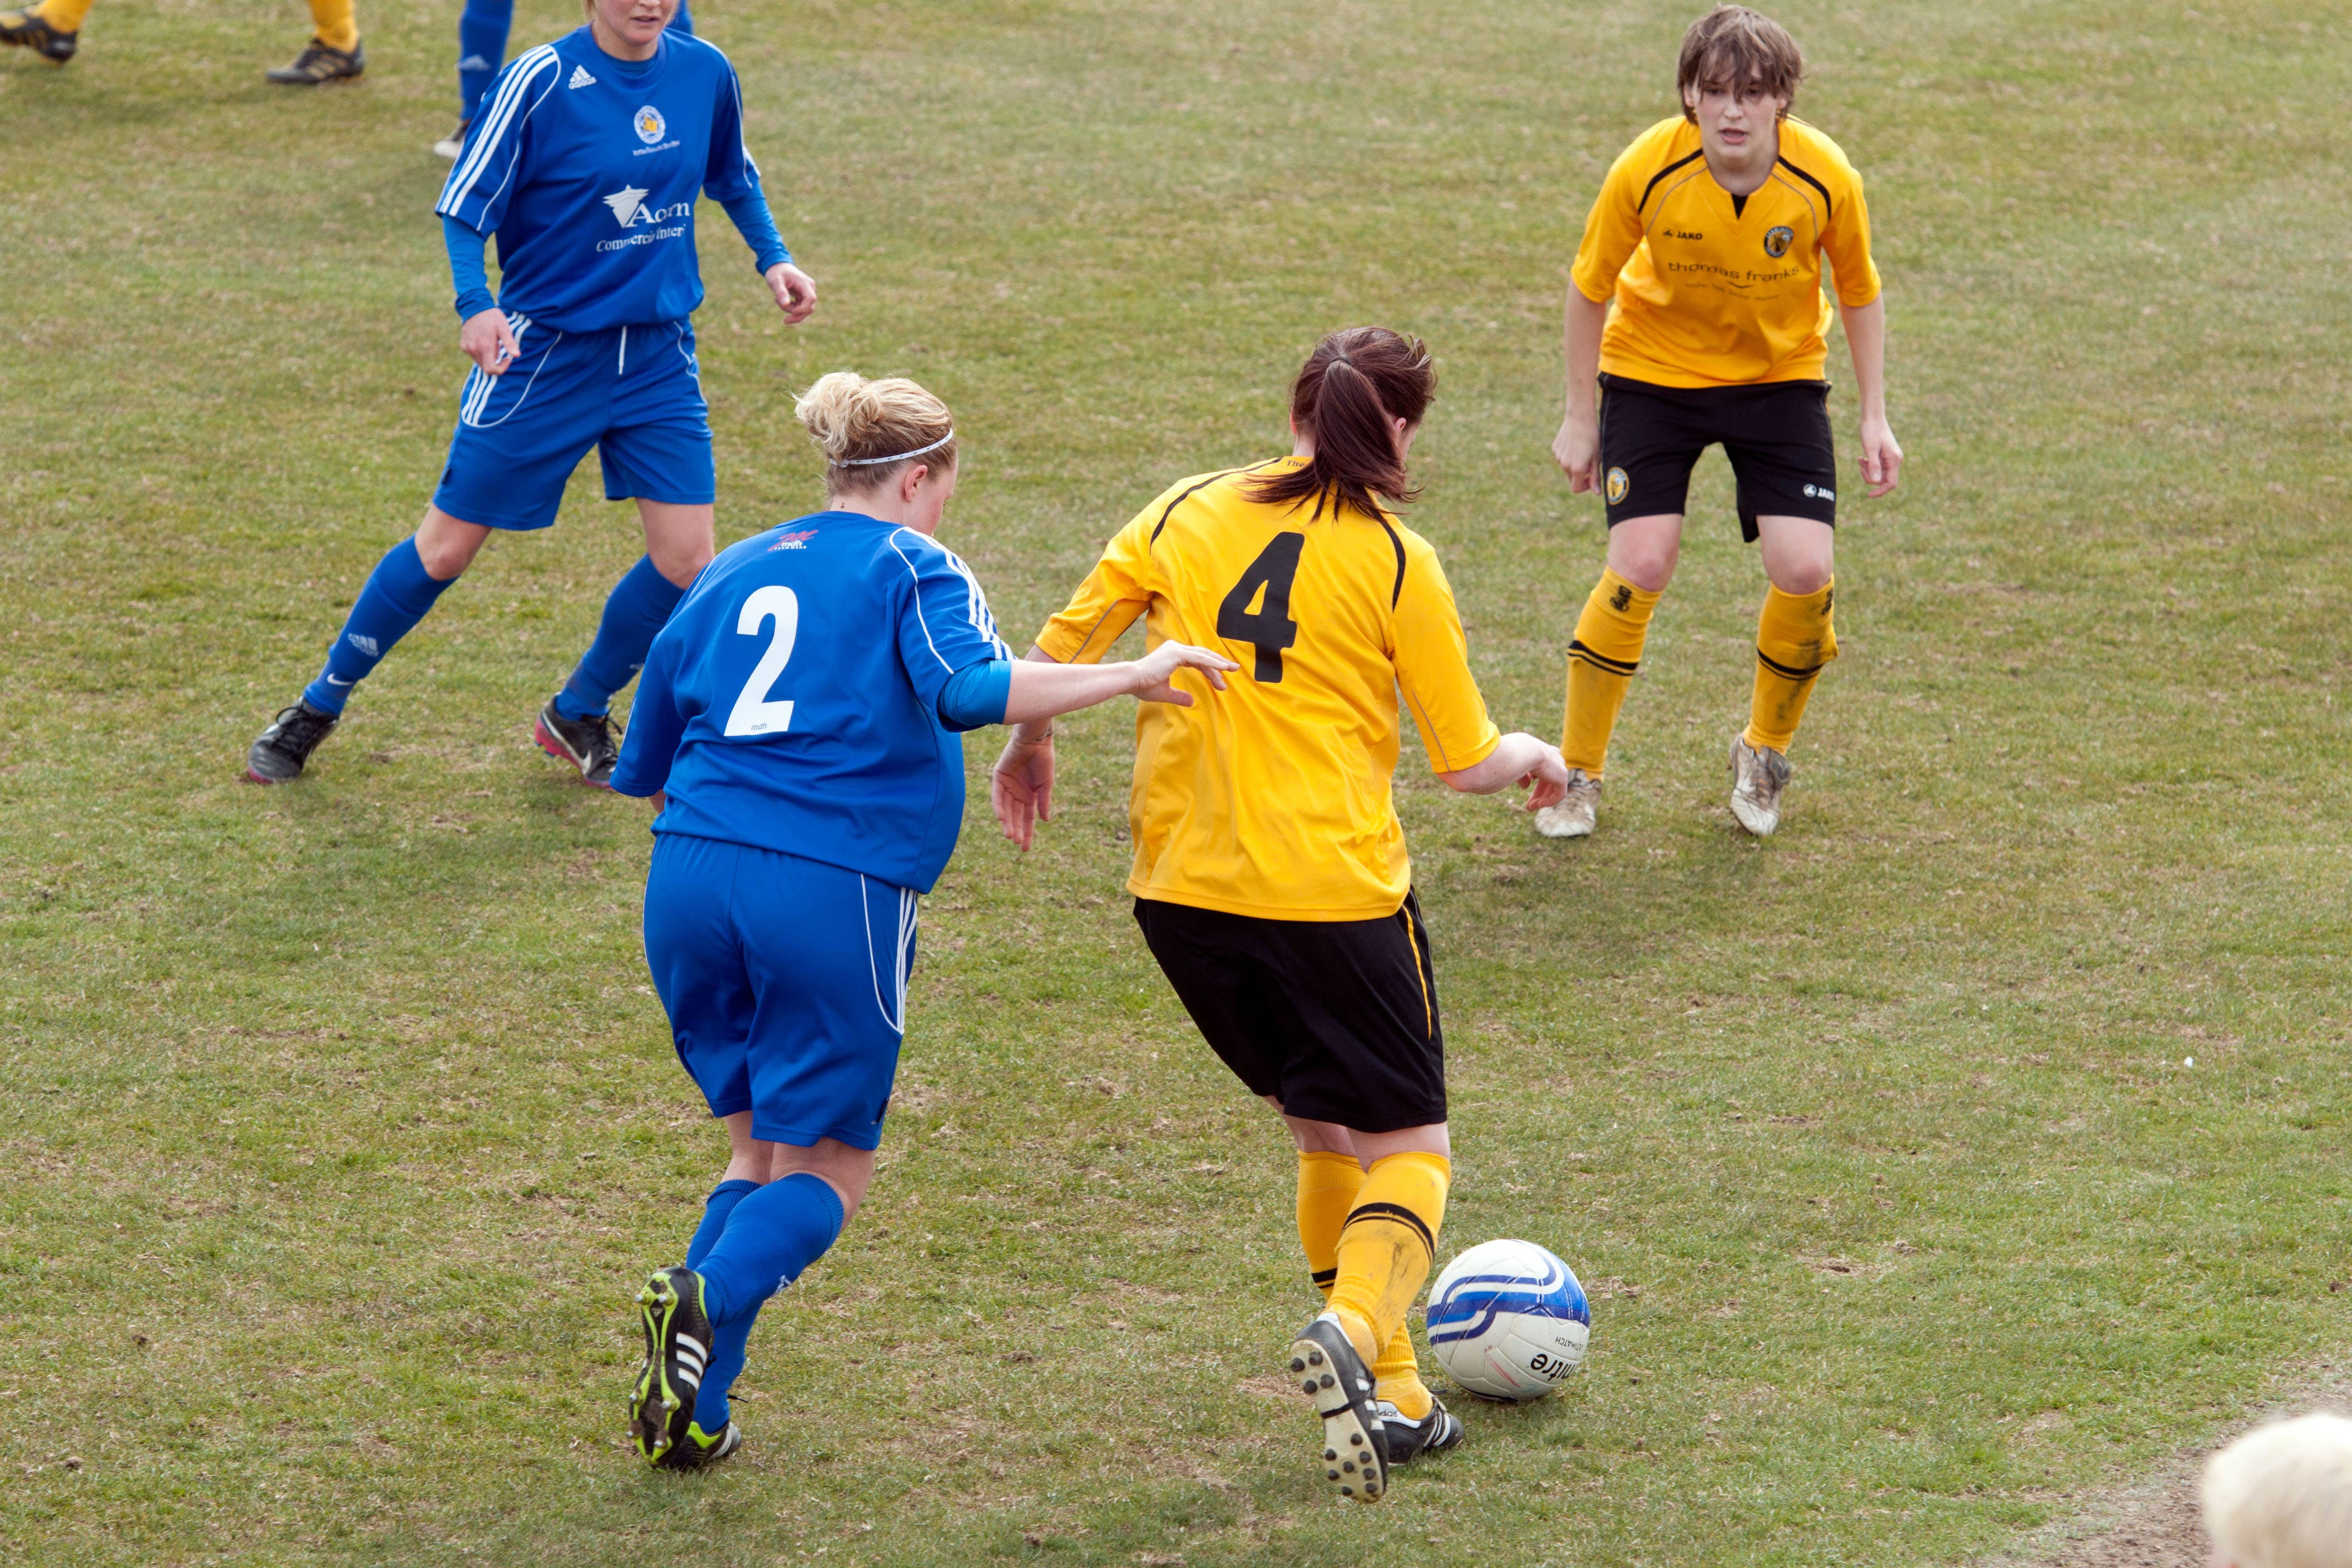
1514,758
1865,336
1580,347
1042,689
757,224
467,274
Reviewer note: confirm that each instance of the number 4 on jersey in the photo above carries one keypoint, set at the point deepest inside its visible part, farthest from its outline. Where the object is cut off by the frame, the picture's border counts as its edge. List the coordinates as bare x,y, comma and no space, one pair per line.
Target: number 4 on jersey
1269,628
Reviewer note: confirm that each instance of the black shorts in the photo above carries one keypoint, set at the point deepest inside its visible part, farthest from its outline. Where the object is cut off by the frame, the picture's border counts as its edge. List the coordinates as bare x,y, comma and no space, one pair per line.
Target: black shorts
1336,1019
1776,435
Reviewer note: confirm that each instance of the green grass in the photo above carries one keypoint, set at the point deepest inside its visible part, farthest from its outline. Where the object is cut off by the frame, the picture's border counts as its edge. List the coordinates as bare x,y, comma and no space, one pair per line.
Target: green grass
341,1117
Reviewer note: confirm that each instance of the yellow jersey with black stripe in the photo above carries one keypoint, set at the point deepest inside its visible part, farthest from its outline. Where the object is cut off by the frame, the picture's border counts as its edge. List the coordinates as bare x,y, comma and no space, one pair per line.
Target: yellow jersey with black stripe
1271,798
1715,290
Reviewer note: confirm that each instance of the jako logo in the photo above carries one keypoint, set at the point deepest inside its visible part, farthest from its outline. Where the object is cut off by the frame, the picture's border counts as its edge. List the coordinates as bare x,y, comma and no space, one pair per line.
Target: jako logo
649,125
630,210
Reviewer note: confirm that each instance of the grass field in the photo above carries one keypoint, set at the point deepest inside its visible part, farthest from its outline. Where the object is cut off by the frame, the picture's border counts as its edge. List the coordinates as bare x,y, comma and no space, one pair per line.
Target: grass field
341,1117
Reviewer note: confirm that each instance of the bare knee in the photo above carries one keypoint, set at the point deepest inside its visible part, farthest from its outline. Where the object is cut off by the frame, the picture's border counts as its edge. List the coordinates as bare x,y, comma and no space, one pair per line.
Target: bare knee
1644,550
678,539
446,546
848,1171
1801,578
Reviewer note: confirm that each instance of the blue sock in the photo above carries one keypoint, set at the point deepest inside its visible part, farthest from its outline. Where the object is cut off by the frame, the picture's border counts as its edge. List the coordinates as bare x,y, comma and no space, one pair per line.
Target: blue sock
730,1342
774,1234
715,1211
398,593
683,22
481,49
640,604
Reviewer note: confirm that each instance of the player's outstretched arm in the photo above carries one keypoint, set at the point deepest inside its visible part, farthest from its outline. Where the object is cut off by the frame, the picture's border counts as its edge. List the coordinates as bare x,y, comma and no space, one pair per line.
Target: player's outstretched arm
1021,790
1865,335
1518,759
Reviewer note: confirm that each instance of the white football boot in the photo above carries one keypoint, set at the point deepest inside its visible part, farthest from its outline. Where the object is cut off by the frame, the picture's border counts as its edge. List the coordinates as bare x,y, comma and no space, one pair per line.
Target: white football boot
1759,777
1574,817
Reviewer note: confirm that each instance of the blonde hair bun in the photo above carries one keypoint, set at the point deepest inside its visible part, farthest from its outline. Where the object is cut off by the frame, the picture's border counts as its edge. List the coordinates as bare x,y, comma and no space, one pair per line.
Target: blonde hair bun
854,422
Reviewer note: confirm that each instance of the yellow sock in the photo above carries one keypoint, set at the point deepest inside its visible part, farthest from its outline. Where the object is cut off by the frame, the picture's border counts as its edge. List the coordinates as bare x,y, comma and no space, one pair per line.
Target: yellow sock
336,24
1794,638
1387,1246
65,15
1601,661
1327,1191
1328,1184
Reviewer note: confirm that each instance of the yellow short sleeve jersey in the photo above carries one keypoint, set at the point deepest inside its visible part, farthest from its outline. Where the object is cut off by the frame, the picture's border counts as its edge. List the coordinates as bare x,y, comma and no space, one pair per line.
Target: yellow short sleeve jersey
1713,294
1271,798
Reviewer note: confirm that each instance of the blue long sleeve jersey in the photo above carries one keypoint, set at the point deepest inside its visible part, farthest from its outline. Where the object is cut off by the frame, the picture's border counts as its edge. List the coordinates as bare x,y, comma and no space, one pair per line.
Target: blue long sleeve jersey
792,701
587,168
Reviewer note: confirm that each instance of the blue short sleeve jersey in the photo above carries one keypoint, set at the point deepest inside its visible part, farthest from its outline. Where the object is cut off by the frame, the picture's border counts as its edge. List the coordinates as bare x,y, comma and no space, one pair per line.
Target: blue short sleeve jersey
587,168
791,703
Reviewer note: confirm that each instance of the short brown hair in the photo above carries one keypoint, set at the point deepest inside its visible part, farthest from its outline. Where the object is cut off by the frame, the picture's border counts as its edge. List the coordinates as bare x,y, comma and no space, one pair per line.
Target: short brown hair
1733,46
1352,385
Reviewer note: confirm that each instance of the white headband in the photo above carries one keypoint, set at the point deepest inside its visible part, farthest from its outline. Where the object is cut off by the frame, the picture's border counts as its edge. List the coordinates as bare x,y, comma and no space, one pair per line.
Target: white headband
899,458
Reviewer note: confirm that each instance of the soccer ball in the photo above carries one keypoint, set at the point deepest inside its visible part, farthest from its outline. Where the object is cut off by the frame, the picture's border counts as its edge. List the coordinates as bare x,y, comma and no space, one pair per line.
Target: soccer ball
1507,1321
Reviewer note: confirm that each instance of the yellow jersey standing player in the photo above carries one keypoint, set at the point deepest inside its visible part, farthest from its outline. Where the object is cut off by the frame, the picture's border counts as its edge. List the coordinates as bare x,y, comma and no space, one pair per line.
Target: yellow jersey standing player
1270,874
1709,234
52,29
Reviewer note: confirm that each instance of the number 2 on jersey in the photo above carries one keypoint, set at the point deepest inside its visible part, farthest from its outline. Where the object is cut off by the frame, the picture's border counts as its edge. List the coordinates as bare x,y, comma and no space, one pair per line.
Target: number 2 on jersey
754,713
1269,629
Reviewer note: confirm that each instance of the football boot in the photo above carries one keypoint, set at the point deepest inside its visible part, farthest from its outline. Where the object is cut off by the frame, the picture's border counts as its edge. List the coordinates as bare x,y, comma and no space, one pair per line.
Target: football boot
1408,1439
1758,776
677,1344
276,757
698,1450
1578,811
317,64
24,29
454,143
1328,1371
585,743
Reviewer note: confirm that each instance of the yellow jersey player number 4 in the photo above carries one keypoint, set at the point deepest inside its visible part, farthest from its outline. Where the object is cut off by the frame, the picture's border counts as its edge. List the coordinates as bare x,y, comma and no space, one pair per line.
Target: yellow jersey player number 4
1271,879
1697,315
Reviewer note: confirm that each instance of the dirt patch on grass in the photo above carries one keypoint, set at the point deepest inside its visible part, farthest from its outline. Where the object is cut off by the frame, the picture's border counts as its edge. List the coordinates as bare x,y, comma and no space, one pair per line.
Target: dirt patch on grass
2155,1523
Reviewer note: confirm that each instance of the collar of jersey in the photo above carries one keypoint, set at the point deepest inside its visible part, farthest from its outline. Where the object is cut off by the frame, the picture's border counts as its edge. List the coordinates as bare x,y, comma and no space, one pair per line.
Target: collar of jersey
630,76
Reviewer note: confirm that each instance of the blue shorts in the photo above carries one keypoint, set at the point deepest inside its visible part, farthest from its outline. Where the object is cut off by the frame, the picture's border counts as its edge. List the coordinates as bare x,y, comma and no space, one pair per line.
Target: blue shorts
786,985
635,393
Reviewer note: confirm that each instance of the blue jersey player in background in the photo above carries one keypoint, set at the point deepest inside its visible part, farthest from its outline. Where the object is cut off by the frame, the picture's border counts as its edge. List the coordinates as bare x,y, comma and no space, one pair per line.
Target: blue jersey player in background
482,29
585,164
798,721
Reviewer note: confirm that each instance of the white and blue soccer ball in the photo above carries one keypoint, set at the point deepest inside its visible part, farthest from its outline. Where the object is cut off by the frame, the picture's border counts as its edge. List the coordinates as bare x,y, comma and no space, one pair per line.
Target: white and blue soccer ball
1507,1321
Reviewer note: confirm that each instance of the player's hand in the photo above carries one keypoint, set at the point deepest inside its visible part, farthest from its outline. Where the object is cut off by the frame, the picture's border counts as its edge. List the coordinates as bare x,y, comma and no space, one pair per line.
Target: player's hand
1547,781
1576,450
1021,790
795,291
1153,672
1881,459
489,341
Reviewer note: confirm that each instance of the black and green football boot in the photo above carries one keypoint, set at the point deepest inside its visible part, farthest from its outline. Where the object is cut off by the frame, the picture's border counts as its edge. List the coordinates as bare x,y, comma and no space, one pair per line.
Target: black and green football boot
698,1450
677,1344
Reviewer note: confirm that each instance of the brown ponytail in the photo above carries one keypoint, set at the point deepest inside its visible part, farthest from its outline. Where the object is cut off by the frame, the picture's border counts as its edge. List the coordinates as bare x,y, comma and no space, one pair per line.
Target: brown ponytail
1354,384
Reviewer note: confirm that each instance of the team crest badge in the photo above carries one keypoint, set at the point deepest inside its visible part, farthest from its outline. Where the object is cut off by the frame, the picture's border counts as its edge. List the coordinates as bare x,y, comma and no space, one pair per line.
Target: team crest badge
651,126
1617,485
1776,239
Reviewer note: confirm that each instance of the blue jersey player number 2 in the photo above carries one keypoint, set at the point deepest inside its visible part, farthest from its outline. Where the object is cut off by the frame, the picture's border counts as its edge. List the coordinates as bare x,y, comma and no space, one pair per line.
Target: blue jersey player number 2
798,719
